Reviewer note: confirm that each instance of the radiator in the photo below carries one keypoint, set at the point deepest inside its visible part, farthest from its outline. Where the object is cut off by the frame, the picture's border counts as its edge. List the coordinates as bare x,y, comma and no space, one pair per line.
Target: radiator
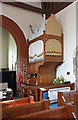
53,93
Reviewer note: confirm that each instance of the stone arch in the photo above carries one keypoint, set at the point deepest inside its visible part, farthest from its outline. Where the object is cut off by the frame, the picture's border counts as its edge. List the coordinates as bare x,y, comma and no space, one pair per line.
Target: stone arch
20,40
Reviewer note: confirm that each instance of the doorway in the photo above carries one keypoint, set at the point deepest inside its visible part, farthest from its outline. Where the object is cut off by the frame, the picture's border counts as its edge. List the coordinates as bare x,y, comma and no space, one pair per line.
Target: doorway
20,40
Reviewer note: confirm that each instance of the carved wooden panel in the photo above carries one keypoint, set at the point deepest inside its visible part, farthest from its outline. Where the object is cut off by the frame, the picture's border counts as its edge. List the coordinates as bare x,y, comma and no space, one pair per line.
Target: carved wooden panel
47,73
33,67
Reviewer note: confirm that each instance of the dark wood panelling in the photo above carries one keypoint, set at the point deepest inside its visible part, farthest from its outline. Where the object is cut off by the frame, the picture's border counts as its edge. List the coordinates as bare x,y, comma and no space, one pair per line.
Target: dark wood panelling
54,7
47,73
34,67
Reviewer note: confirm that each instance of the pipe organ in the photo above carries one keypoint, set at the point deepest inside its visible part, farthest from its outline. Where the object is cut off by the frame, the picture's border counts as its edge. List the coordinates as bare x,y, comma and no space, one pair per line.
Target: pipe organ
36,51
45,53
53,47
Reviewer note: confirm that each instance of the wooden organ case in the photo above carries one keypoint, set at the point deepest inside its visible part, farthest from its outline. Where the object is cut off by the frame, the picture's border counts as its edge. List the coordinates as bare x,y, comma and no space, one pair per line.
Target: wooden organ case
45,53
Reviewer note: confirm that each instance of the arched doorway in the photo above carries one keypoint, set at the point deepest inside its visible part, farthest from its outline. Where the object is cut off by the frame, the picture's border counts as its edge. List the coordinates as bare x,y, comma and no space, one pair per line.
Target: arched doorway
20,40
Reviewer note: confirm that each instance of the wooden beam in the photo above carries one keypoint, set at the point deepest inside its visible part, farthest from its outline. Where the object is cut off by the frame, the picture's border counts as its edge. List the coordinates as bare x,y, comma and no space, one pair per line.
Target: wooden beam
54,7
26,7
47,36
58,6
36,39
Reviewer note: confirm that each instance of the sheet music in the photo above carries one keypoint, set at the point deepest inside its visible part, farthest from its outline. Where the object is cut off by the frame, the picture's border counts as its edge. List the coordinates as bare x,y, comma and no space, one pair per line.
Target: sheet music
42,89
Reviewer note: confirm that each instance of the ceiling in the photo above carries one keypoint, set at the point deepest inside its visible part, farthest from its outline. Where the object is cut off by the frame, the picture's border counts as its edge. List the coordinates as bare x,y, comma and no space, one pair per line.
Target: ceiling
54,7
47,8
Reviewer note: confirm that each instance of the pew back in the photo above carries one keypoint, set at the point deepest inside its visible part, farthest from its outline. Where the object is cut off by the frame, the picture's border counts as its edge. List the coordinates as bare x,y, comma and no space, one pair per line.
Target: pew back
60,112
15,111
76,104
65,97
17,102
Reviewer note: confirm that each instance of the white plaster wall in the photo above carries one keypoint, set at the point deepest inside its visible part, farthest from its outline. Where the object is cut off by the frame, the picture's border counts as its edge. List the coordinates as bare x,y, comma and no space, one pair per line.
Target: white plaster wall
12,53
77,23
77,43
8,49
5,37
35,4
67,19
22,17
0,47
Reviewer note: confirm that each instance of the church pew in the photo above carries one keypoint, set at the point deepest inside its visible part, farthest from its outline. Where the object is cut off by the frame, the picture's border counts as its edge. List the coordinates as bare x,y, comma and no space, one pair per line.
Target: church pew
65,111
76,104
73,107
60,112
65,97
17,102
71,101
15,111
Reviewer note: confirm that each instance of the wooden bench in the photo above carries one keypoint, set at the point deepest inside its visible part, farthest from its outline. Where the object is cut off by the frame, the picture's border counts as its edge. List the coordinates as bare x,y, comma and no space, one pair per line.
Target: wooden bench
69,99
60,112
15,111
26,89
73,106
65,111
17,102
76,104
65,97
